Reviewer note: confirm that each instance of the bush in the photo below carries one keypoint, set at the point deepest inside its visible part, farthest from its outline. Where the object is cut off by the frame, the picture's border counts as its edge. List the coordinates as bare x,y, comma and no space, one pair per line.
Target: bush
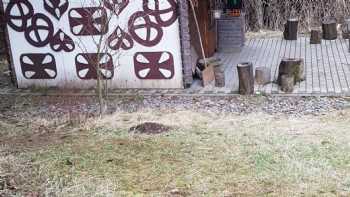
272,14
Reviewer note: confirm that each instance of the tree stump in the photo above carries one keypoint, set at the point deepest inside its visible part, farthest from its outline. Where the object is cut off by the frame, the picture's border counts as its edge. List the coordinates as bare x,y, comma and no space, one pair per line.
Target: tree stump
316,36
293,68
246,78
291,29
329,28
287,83
219,73
262,75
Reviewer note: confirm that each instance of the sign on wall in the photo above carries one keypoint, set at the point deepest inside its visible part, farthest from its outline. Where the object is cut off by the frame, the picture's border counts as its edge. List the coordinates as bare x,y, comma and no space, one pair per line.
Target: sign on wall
61,43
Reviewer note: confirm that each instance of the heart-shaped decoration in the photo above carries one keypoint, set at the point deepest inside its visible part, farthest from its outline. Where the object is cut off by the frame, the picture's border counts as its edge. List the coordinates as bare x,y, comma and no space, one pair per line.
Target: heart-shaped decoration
56,7
119,39
62,42
116,6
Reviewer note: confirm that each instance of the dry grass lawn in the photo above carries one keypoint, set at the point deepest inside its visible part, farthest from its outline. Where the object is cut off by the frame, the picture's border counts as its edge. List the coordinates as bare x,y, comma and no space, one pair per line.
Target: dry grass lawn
203,155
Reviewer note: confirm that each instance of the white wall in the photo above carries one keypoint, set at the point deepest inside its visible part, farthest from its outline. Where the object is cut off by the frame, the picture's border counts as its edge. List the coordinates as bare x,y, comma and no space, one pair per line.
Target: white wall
125,75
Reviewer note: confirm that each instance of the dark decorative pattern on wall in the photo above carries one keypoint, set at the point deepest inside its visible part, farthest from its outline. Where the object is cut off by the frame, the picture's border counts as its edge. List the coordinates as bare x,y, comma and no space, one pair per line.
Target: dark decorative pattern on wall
144,31
145,27
56,7
62,42
160,14
86,64
88,21
116,6
17,13
38,66
120,40
40,32
154,65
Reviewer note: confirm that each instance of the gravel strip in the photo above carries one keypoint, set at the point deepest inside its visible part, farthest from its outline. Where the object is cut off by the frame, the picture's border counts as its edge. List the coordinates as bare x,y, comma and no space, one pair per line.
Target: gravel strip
52,107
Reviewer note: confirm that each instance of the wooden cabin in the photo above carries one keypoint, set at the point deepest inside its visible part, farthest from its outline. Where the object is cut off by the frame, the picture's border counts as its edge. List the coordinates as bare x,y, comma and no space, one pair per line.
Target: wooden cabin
54,45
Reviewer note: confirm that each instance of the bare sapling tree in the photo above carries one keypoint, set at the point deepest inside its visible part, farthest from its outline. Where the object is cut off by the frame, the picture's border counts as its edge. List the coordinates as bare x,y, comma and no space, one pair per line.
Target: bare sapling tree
100,48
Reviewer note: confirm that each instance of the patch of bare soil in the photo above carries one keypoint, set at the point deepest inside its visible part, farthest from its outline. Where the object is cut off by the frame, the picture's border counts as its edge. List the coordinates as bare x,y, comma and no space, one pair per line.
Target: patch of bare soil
34,141
150,128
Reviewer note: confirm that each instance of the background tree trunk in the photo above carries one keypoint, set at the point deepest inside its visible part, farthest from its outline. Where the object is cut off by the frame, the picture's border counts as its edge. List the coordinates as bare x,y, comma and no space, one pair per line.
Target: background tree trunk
272,14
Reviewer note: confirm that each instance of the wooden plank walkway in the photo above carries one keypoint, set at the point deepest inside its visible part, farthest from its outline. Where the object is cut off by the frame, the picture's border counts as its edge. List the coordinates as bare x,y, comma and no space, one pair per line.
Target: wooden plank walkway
327,65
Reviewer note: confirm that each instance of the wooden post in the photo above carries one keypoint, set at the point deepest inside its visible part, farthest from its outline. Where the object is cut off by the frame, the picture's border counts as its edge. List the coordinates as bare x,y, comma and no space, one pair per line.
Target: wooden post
293,68
287,83
291,29
329,28
219,73
262,75
246,78
316,36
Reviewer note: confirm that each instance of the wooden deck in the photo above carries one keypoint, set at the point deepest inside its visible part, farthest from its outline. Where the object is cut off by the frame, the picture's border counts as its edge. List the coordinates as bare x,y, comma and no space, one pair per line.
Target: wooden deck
327,65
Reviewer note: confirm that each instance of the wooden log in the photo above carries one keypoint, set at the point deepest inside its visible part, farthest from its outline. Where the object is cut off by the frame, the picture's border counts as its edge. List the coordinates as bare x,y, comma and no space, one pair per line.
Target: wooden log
291,29
246,78
316,36
292,67
219,73
329,29
287,83
262,75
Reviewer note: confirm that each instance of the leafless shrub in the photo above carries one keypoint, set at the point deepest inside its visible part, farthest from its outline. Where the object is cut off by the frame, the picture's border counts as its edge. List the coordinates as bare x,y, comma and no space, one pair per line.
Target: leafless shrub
272,14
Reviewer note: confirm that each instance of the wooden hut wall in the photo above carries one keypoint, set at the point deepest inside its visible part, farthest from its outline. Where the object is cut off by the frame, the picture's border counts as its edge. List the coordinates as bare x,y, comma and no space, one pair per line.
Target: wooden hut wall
55,44
207,26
